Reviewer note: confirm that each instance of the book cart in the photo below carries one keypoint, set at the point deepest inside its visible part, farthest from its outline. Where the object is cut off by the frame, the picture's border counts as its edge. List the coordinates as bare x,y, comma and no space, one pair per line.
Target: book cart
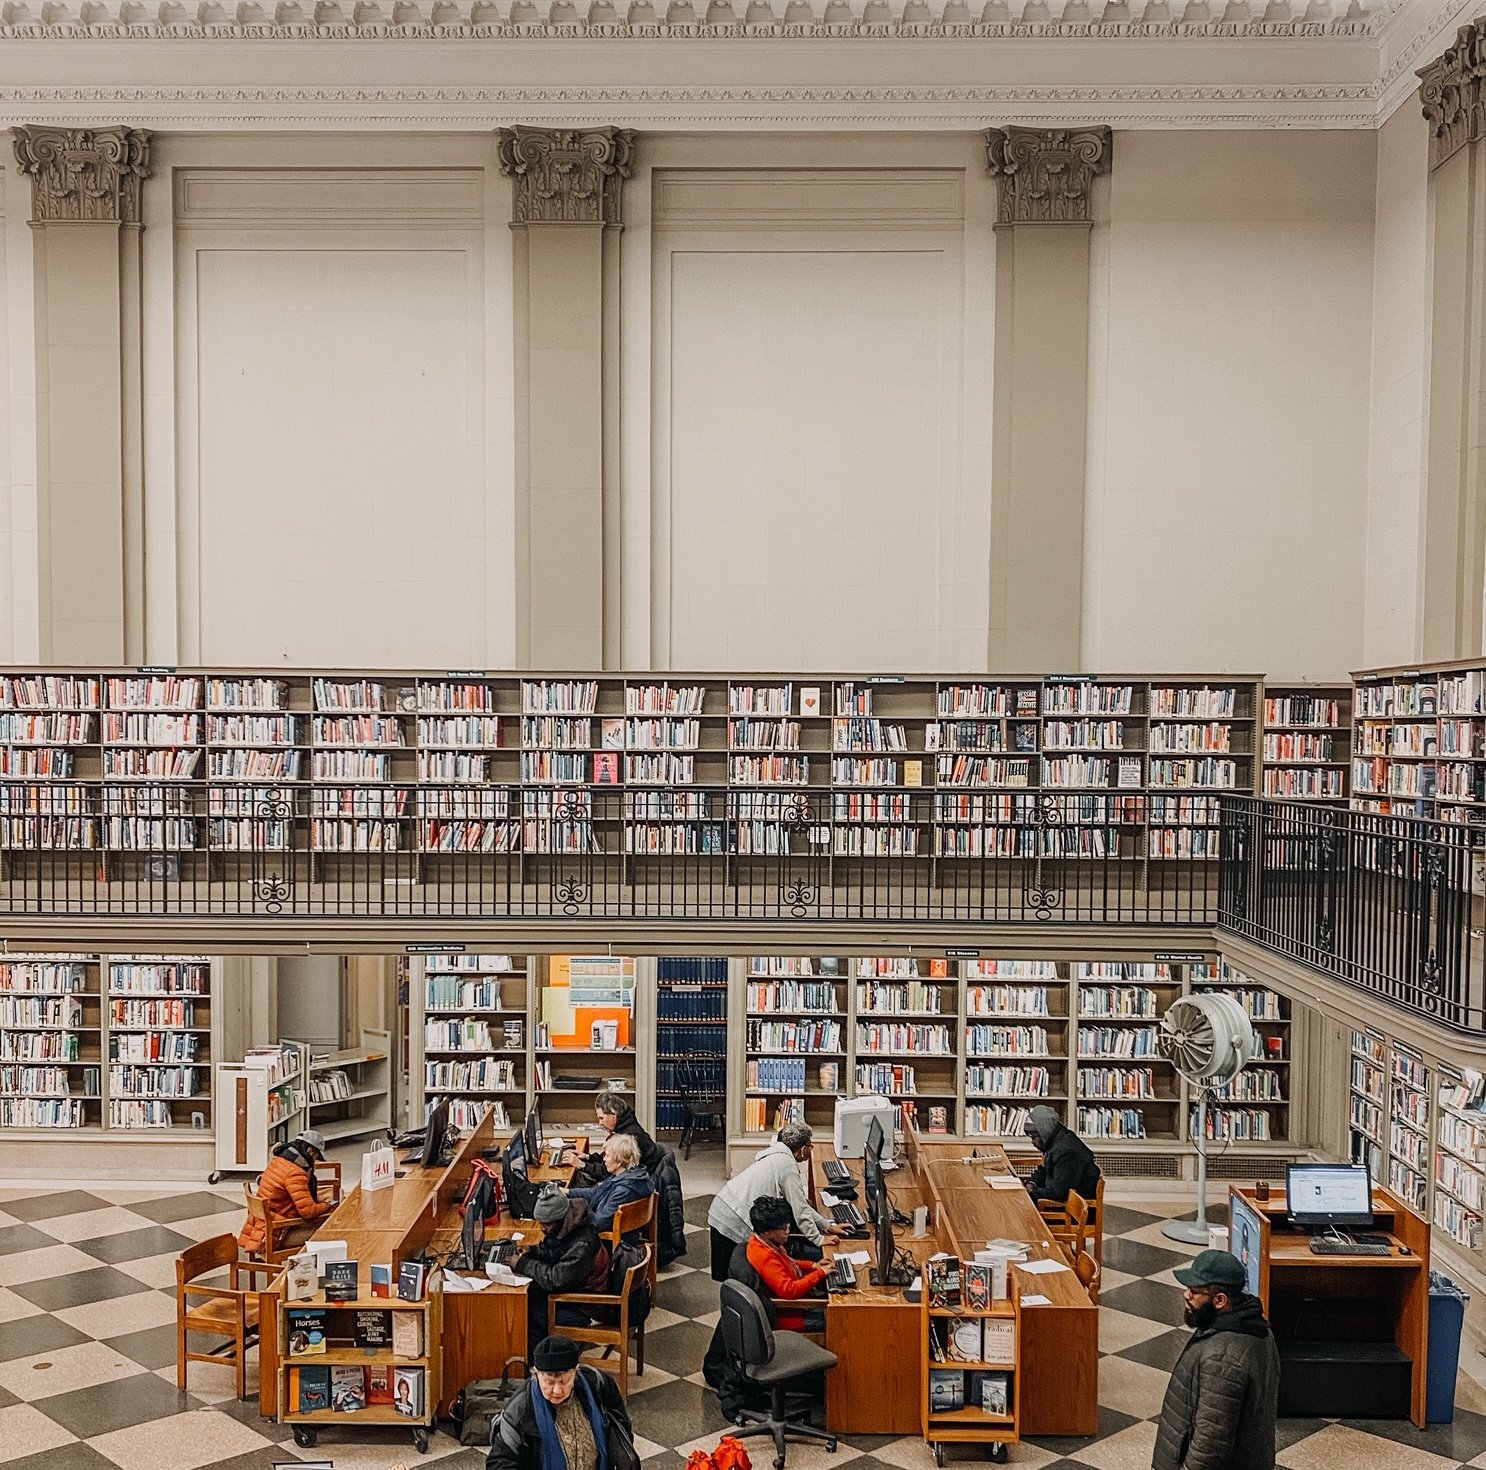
341,1351
961,1416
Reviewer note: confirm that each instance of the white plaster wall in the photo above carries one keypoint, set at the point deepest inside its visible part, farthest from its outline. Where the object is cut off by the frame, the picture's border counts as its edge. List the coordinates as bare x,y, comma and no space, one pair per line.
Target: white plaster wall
1400,350
1231,356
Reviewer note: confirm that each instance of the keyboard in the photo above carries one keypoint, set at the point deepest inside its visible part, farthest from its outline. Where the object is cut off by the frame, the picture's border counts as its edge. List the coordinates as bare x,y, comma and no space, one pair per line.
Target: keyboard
836,1172
843,1276
1320,1247
847,1214
504,1249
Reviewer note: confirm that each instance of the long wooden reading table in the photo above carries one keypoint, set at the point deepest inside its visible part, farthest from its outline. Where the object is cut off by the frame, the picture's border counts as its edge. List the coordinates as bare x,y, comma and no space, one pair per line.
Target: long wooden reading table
876,1331
418,1215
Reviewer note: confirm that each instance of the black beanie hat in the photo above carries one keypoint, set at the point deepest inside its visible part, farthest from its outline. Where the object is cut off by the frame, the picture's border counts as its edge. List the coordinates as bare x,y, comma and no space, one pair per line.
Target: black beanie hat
556,1355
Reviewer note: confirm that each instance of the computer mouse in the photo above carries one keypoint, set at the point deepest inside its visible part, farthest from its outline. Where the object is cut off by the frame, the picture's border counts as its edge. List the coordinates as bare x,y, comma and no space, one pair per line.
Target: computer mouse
1403,1250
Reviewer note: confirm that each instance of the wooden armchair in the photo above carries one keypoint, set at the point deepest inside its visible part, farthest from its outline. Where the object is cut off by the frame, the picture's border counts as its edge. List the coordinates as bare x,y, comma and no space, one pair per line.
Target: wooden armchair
1061,1227
229,1312
1088,1271
332,1172
613,1329
639,1217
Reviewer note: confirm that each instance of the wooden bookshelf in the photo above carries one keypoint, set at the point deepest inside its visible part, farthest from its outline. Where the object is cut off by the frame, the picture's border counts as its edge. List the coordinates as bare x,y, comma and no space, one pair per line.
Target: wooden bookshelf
51,1048
691,1026
1306,742
475,1021
159,1031
1368,1102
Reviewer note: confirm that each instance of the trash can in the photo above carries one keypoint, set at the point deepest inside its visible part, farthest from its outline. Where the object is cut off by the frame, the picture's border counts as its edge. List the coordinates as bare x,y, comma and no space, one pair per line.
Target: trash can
1447,1303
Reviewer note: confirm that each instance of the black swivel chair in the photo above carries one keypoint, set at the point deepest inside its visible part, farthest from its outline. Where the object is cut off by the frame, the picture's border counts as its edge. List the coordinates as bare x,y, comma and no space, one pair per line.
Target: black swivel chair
772,1361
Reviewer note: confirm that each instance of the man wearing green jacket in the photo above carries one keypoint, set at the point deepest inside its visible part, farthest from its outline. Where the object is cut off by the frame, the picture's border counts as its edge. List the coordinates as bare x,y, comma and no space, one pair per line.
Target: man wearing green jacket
1219,1409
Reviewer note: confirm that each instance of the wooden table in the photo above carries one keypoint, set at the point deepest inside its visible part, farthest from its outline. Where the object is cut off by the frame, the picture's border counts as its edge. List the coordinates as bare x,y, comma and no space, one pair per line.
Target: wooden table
417,1215
875,1330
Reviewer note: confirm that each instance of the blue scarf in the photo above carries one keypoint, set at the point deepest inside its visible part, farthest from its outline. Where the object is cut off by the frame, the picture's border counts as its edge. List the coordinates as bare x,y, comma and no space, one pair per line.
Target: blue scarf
552,1455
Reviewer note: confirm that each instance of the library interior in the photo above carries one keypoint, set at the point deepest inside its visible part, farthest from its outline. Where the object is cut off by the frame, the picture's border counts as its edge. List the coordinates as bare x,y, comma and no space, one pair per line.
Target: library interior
780,702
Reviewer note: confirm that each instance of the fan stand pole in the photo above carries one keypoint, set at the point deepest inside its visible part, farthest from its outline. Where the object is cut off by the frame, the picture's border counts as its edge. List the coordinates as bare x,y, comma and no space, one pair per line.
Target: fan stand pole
1195,1232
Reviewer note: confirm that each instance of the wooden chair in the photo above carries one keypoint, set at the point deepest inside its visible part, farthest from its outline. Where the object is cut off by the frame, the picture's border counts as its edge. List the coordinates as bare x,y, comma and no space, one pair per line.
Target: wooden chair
639,1217
606,1333
1074,1236
229,1312
1061,1226
281,1238
1088,1271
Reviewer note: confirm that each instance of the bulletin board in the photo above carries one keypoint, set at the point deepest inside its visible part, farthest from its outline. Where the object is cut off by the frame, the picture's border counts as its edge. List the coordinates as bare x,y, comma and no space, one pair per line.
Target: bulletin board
584,989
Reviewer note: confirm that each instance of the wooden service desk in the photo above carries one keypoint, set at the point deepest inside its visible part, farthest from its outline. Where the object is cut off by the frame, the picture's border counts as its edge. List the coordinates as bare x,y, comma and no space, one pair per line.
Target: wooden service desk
417,1215
874,1331
1357,1302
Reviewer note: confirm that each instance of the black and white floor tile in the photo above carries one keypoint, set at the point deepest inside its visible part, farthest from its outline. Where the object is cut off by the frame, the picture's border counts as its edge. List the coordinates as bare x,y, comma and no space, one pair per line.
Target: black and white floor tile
87,1357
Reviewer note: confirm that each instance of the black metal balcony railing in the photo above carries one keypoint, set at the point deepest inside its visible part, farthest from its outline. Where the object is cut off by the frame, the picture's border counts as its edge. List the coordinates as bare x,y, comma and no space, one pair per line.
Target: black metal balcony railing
183,850
1384,903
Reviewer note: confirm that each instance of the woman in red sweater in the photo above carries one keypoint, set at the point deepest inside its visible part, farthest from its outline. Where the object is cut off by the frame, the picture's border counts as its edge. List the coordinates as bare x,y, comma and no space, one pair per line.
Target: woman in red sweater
783,1276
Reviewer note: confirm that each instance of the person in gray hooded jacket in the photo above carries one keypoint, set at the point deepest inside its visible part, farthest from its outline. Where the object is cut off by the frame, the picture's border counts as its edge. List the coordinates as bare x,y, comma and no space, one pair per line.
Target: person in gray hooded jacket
1220,1404
1066,1163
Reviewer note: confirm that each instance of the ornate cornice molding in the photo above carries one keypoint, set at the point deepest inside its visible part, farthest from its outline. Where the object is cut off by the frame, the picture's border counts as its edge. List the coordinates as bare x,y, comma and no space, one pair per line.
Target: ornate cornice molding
1453,94
566,176
83,174
404,20
1046,175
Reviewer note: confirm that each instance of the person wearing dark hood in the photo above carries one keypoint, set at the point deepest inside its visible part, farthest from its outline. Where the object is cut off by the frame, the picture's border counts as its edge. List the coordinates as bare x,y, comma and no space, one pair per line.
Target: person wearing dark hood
1066,1160
290,1192
1220,1404
566,1417
617,1116
569,1257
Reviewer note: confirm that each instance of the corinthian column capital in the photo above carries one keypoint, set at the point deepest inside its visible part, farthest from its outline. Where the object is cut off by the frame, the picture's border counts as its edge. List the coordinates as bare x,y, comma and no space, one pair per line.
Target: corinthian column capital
1046,174
566,176
83,174
1453,94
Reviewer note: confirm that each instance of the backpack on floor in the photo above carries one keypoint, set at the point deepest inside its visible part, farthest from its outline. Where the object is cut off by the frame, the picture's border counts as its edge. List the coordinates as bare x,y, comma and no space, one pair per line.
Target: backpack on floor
479,1404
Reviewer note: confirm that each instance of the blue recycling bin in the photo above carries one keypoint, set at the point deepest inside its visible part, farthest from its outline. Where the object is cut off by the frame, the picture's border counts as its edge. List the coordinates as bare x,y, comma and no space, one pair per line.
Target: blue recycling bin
1447,1304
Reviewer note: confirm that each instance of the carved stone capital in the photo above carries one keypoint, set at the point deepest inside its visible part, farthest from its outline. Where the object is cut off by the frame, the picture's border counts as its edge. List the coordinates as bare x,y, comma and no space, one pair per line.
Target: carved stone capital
1453,94
566,176
1046,174
83,173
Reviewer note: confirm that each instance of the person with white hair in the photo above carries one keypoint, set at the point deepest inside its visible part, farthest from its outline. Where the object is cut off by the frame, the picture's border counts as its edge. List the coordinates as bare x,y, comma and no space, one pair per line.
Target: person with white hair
625,1181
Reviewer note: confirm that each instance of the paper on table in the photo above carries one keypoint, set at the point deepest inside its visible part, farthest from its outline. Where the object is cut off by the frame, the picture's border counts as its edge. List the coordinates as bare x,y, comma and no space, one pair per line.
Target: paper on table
1004,1181
857,1258
828,1199
1035,1299
1039,1268
503,1275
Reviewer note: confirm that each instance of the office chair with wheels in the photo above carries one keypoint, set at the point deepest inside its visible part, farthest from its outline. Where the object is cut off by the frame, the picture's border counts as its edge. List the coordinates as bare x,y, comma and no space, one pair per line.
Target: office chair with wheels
773,1362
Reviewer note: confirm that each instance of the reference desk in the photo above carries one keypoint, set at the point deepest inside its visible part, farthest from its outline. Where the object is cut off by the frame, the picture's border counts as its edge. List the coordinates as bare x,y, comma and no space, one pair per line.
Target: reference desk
418,1215
875,1330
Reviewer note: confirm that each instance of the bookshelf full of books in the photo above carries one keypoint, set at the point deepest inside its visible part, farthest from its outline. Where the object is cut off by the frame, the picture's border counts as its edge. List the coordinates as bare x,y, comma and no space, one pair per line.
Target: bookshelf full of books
159,1041
1016,1044
360,767
691,1034
1419,742
1460,1156
51,1049
1409,1145
476,1037
466,766
1254,1107
255,766
971,1362
795,1041
1201,740
906,1021
1367,1102
1307,742
1126,1088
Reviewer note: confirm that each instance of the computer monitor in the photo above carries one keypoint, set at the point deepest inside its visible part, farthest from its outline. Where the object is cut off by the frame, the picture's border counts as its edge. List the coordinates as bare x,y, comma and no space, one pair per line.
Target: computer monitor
472,1237
885,1249
531,1136
1328,1194
876,1140
874,1186
435,1136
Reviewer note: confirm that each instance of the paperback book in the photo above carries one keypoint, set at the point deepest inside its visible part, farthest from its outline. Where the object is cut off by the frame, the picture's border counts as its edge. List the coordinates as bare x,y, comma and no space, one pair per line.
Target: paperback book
347,1389
306,1330
946,1390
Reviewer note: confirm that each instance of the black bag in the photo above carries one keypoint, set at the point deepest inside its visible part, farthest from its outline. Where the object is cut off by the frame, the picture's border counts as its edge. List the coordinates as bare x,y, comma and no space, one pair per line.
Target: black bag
478,1405
622,1452
626,1256
520,1192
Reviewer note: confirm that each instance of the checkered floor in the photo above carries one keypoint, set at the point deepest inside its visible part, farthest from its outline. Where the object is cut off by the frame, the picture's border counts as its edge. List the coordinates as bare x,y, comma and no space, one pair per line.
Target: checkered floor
87,1359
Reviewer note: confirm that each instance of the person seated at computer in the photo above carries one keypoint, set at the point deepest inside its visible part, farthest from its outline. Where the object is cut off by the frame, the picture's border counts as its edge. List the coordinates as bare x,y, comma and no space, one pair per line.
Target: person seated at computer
784,1277
775,1173
617,1117
570,1256
1066,1160
625,1182
290,1191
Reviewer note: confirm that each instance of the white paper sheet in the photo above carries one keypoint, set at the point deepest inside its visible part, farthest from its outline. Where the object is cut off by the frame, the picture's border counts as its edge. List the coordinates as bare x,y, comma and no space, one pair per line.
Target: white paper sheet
857,1258
828,1199
1004,1181
503,1275
1035,1299
1040,1268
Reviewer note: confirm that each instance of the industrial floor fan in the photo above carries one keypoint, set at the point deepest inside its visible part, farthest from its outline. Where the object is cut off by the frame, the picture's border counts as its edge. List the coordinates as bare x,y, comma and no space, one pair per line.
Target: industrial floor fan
1209,1039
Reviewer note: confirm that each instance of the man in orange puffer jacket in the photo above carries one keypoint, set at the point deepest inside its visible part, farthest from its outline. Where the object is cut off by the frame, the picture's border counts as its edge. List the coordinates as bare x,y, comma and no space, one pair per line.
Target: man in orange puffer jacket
289,1189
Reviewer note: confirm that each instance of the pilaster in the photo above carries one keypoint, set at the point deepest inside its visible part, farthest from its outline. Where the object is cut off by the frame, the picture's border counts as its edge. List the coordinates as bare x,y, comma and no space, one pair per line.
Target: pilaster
85,224
566,210
1044,214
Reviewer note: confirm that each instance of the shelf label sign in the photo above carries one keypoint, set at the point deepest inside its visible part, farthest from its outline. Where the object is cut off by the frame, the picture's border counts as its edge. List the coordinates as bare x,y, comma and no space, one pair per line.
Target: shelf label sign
433,949
962,954
1176,958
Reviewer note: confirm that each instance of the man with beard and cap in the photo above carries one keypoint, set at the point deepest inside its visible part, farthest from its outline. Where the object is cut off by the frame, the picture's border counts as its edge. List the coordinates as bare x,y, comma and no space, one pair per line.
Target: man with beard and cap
1066,1160
1220,1404
570,1256
562,1419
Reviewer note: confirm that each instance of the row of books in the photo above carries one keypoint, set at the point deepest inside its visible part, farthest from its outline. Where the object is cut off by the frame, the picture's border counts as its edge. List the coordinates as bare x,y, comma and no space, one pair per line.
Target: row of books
348,1388
486,1075
468,1034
